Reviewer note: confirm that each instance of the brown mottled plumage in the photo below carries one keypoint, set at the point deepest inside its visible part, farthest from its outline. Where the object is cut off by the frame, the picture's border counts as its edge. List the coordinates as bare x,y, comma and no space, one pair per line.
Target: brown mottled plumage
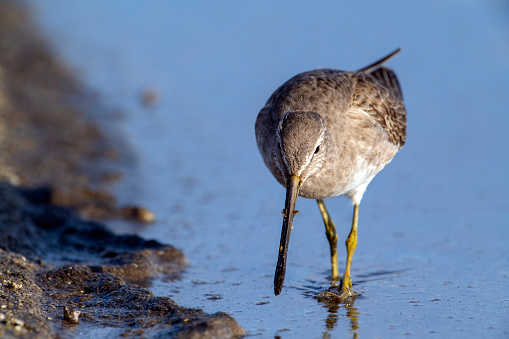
327,132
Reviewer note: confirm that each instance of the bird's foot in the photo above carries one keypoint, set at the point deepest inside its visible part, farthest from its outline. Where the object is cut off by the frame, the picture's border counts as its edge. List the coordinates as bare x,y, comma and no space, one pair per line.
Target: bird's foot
347,293
346,289
335,285
335,296
346,284
335,277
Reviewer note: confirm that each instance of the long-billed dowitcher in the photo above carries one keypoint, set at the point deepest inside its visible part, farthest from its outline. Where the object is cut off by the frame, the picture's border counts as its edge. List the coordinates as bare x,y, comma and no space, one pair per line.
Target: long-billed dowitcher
325,133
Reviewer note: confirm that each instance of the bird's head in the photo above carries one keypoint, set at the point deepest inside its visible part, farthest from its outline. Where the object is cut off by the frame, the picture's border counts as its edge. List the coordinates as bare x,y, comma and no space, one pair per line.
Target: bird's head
301,143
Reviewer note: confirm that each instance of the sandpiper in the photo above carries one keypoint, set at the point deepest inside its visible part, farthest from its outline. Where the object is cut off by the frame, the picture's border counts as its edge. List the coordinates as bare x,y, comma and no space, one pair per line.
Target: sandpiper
325,133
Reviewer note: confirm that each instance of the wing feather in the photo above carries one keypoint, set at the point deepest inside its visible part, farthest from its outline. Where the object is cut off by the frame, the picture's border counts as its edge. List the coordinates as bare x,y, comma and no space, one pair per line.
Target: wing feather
383,104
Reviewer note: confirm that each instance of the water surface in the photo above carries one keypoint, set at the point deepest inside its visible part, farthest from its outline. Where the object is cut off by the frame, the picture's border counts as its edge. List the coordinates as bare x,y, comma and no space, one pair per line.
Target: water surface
432,258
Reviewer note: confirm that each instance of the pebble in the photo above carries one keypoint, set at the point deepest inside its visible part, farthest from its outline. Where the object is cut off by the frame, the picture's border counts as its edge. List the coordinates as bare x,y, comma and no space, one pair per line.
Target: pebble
11,284
71,315
138,213
17,322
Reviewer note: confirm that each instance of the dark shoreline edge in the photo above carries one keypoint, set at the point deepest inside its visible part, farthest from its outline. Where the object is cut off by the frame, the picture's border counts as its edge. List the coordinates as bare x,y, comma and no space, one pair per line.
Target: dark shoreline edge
55,166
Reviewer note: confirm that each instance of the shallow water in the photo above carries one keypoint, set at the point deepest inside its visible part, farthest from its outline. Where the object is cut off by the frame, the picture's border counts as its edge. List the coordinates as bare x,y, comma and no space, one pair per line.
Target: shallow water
432,254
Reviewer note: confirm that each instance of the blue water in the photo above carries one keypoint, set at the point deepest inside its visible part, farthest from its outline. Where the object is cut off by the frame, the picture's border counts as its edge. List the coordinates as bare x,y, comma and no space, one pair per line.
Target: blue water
433,252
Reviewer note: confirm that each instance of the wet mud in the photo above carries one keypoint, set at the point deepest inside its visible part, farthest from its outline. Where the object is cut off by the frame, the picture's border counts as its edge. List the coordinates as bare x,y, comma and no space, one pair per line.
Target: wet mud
63,273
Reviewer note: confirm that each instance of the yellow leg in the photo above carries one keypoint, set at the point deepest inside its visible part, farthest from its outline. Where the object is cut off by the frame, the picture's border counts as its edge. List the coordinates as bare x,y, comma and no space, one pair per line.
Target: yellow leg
351,243
330,231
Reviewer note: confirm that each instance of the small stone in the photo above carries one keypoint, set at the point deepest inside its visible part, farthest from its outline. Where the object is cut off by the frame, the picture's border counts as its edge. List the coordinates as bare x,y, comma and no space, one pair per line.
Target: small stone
11,284
17,322
15,285
2,317
139,214
71,316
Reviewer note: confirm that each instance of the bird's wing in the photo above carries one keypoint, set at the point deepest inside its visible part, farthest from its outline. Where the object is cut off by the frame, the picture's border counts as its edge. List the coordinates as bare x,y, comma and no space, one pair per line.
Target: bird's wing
387,78
381,100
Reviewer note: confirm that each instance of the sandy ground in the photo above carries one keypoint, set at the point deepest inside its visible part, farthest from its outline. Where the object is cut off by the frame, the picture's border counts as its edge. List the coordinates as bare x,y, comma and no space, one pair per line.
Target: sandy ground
62,274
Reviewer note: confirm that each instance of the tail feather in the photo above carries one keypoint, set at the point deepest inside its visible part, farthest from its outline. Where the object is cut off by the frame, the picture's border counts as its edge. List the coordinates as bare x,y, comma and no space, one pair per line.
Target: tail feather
378,63
385,76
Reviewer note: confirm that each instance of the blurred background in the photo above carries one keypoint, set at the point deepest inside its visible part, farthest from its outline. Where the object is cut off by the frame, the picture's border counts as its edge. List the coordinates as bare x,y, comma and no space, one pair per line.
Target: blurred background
187,80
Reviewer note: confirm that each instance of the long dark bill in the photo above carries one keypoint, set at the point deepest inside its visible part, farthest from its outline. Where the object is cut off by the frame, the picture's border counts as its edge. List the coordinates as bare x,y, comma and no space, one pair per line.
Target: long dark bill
292,190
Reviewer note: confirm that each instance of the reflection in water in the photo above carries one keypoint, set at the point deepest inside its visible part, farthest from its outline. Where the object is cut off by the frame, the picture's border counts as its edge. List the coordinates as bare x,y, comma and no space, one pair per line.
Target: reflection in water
335,303
352,313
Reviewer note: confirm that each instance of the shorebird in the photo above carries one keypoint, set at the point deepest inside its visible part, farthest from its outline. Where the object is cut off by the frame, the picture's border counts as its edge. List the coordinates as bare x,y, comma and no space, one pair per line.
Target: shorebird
325,133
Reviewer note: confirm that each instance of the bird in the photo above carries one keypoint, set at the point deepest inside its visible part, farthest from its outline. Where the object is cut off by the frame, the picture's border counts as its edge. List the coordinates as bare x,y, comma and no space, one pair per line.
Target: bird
325,133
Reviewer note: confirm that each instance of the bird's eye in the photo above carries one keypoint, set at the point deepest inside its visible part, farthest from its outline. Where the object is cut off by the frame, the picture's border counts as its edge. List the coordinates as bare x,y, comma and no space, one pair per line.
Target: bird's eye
317,149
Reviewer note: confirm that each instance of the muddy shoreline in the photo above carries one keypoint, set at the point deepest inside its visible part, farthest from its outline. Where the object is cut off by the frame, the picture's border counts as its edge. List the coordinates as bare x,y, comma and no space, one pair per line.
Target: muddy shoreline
56,163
